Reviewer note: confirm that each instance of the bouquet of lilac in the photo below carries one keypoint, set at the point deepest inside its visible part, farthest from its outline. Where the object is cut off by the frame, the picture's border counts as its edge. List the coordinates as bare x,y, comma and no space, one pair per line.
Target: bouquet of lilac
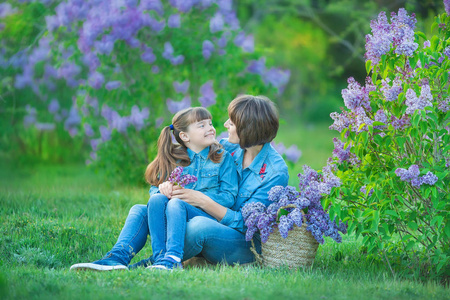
177,178
290,207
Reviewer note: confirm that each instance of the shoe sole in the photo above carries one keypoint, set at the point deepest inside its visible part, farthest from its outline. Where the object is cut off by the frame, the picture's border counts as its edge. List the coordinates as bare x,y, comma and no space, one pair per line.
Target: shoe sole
95,267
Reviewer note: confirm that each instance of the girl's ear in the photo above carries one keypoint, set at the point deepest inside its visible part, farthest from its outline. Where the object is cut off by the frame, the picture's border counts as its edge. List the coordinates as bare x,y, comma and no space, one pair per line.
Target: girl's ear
184,137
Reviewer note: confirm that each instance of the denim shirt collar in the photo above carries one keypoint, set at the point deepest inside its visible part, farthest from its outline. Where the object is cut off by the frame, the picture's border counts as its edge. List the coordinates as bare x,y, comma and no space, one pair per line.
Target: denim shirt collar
257,165
203,154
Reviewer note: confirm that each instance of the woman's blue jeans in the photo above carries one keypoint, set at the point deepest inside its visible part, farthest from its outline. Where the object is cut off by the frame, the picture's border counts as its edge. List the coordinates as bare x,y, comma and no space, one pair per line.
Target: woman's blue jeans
203,235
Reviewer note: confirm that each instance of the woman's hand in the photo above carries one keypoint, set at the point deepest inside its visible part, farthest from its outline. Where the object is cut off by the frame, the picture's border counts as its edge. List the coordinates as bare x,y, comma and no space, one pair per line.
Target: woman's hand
194,198
166,189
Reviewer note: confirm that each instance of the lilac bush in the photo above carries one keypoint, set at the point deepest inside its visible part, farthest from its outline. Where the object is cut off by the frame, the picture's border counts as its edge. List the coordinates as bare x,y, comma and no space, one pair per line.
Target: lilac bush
108,71
392,156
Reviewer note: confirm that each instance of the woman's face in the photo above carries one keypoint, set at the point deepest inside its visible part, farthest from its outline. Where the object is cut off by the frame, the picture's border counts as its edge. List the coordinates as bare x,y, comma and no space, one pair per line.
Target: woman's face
232,135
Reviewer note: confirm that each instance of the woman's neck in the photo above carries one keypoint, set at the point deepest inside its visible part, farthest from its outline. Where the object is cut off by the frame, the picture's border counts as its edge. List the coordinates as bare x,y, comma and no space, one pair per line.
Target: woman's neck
250,154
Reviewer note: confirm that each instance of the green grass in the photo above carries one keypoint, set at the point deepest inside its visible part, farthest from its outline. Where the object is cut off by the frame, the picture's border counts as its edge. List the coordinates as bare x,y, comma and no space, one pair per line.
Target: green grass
55,216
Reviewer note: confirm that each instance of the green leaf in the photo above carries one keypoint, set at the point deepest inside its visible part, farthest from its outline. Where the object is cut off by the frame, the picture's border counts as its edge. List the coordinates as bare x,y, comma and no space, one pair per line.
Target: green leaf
413,225
447,229
421,34
368,66
410,245
391,213
437,220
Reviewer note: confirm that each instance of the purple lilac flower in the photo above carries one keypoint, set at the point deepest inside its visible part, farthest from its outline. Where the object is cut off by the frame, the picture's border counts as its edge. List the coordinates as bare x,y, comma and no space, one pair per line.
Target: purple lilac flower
293,153
177,178
429,178
248,44
105,133
53,107
447,51
341,153
391,92
138,117
277,77
378,43
216,23
426,44
296,216
94,143
148,56
402,29
174,21
417,103
174,106
73,119
96,80
181,87
444,105
6,9
168,51
285,225
112,85
177,60
447,6
401,123
257,66
355,96
208,97
251,207
155,69
364,191
88,131
207,49
105,45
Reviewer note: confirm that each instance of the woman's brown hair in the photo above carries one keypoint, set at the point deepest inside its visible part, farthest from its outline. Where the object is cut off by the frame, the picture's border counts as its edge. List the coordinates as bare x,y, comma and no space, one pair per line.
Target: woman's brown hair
171,155
255,118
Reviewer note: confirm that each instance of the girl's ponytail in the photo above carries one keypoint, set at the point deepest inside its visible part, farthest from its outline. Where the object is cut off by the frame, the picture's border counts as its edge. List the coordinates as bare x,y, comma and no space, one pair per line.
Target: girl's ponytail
166,160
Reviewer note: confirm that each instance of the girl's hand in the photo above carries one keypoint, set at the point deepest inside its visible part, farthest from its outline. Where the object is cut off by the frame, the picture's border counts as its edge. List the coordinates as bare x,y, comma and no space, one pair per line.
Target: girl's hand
166,189
194,198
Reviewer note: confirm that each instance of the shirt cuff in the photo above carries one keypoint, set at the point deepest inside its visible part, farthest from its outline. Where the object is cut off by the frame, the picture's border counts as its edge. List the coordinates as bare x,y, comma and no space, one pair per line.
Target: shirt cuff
228,218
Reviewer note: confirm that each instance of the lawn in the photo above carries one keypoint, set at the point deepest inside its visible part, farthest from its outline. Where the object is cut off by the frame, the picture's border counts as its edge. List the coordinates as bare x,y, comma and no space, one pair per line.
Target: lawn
55,216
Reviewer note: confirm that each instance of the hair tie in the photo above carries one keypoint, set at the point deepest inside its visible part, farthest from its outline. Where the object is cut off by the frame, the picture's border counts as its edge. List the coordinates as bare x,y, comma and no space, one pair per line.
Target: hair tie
171,126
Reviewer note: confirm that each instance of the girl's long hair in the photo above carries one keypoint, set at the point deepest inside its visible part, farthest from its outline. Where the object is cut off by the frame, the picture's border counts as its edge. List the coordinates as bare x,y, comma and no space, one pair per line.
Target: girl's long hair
171,155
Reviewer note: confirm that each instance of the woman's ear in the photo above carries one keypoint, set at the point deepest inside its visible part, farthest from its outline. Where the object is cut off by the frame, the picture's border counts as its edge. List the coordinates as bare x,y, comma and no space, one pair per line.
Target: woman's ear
184,137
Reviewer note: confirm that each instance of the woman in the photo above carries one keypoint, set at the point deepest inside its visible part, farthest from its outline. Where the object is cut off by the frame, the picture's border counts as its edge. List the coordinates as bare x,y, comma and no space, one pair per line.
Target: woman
252,125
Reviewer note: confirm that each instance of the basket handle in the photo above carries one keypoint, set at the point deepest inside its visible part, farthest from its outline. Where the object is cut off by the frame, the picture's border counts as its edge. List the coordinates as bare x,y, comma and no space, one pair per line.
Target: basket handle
284,207
258,257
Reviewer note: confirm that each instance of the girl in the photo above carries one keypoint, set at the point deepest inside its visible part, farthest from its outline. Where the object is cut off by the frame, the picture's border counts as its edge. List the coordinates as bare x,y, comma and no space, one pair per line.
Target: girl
200,155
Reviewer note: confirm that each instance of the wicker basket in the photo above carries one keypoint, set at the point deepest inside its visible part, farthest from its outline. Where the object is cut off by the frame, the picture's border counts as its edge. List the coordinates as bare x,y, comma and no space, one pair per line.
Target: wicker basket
297,250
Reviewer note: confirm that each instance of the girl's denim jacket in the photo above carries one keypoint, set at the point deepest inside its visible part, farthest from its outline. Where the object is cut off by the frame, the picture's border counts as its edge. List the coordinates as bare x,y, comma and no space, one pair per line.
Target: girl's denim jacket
267,170
219,181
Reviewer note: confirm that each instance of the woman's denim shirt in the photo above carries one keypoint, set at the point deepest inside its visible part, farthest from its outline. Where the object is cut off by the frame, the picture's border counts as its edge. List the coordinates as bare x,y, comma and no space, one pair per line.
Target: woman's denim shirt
267,170
219,181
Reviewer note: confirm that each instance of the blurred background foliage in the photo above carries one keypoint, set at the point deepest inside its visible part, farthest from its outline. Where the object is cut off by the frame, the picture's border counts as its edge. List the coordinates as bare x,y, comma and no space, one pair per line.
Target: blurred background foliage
320,42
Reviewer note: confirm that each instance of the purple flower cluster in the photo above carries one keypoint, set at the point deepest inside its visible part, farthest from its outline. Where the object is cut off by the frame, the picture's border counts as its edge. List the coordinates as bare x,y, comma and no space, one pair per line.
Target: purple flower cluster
292,153
417,103
344,154
363,190
208,97
356,96
293,204
411,175
447,6
177,178
274,76
398,34
391,92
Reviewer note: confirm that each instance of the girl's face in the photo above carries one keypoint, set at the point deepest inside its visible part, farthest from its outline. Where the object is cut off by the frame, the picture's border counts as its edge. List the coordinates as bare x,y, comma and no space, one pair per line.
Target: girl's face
232,135
199,135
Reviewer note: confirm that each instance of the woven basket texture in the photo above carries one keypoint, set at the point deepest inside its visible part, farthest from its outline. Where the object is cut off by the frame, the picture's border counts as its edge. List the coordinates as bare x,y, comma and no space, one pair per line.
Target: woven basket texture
297,250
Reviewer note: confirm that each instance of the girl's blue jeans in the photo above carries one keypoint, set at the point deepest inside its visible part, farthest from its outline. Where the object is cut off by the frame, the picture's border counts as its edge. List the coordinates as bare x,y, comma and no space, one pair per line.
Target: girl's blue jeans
180,229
